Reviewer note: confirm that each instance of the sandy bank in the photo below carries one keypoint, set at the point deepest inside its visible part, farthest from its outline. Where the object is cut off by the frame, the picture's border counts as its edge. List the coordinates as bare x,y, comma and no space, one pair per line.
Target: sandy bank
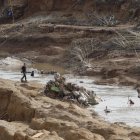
25,112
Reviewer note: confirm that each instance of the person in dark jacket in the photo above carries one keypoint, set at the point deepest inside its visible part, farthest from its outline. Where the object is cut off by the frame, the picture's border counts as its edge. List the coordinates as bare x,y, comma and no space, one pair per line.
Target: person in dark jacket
23,70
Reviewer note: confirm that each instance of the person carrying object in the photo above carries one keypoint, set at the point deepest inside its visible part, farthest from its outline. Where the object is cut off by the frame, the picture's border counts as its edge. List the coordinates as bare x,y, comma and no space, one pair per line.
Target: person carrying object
23,71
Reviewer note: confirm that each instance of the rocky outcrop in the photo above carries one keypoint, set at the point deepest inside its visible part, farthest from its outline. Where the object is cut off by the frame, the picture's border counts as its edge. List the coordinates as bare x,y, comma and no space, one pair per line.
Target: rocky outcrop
21,131
26,114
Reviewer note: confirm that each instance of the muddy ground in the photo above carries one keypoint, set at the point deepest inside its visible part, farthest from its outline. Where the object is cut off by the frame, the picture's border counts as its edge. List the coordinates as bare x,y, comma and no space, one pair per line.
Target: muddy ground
51,45
47,33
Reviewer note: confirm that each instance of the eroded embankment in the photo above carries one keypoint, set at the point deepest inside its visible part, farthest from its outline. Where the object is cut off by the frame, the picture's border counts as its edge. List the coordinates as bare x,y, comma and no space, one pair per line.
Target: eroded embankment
25,111
74,11
49,42
49,27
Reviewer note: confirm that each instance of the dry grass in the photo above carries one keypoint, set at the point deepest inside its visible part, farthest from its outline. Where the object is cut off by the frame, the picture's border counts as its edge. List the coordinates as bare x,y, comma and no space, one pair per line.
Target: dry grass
101,20
127,39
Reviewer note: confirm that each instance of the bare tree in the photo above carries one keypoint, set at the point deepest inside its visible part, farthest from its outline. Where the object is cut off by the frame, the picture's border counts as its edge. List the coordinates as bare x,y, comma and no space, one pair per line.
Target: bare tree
101,20
127,39
81,49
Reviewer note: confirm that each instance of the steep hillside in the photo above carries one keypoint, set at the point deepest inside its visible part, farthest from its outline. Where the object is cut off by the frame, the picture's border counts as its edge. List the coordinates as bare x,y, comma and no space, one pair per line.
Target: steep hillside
123,10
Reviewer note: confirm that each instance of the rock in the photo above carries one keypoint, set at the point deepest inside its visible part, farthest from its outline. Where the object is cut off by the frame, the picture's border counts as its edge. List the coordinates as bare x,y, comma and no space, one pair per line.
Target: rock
119,138
61,121
53,124
5,95
81,133
19,136
5,134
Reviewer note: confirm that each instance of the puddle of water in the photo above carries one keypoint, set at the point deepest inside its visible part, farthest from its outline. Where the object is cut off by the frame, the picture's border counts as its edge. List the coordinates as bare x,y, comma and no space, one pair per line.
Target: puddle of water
114,97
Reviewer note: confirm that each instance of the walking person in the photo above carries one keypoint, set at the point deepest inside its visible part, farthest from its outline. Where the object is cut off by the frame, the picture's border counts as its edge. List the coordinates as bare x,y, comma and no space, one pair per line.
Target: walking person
23,70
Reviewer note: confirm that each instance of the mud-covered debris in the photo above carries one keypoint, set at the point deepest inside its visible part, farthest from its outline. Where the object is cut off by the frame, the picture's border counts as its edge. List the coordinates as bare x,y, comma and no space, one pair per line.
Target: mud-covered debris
60,89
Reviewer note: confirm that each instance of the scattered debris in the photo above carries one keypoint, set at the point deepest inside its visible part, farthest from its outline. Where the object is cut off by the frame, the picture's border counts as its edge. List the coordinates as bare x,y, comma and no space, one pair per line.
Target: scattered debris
48,72
70,92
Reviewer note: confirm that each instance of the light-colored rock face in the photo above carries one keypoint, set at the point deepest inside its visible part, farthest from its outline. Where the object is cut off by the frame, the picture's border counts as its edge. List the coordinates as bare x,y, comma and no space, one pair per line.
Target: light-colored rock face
26,114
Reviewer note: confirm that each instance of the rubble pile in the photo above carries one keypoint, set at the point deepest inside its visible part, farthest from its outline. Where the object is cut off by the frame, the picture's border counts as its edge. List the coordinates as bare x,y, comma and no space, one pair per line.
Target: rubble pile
60,89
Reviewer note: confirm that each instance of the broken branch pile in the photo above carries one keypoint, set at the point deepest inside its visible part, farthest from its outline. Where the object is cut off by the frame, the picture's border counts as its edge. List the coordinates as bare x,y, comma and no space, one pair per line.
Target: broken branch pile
69,92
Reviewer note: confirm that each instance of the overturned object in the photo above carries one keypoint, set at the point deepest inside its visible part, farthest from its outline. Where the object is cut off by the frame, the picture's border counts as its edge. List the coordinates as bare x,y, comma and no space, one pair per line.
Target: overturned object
70,92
